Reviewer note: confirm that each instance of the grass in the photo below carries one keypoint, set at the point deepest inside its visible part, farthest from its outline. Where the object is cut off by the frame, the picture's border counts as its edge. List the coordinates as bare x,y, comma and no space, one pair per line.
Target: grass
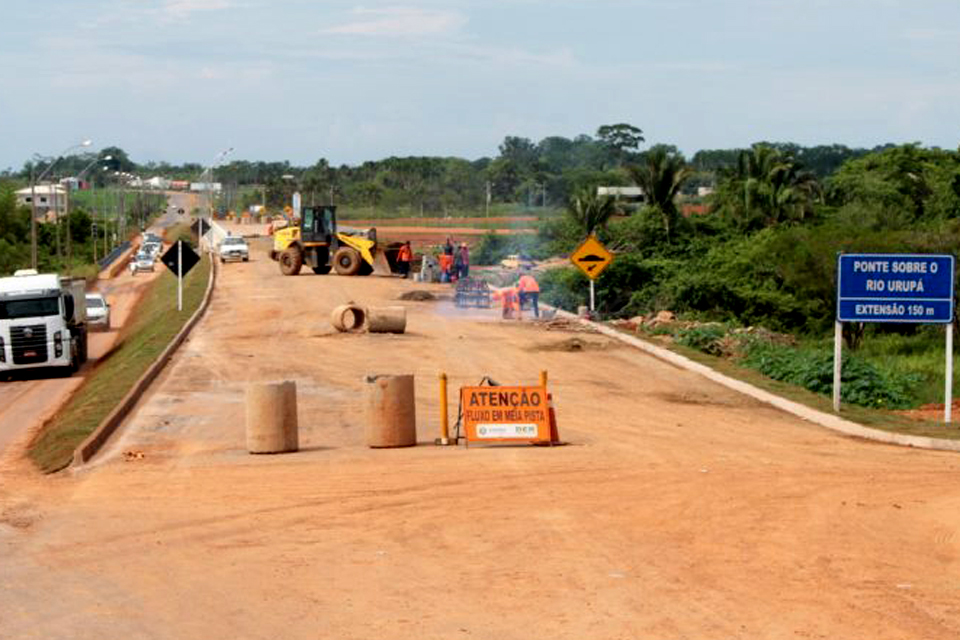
876,418
140,343
921,353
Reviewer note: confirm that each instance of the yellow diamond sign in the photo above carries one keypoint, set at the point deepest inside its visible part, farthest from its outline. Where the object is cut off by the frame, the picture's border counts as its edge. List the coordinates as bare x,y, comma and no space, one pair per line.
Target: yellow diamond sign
592,257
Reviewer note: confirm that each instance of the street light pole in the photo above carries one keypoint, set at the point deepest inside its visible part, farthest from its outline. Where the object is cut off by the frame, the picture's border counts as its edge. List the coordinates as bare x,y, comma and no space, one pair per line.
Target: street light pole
33,199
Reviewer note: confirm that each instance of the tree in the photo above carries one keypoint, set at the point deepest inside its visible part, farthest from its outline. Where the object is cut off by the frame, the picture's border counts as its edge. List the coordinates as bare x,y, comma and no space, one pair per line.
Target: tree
620,139
765,188
661,174
590,211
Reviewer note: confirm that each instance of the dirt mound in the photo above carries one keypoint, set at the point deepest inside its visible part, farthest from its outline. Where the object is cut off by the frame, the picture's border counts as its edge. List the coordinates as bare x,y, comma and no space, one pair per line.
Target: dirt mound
574,345
564,324
417,295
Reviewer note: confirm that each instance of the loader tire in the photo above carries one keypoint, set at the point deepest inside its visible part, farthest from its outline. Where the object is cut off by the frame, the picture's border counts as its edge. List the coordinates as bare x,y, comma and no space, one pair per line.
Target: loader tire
347,261
290,261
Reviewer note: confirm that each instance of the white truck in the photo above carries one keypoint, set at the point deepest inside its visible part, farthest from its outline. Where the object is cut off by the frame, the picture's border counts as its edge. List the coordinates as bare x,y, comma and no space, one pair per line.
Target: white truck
42,321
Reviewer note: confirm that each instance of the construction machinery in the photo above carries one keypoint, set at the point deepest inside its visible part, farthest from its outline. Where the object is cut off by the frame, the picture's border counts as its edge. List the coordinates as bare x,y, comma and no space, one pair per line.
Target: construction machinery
320,244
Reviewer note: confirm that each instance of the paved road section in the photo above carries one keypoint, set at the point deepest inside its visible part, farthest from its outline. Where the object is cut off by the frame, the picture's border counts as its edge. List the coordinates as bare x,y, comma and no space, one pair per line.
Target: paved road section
679,509
33,396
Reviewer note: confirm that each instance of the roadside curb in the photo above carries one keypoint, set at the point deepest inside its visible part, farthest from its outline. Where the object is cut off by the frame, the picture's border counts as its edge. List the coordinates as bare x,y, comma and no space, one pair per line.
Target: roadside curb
95,441
826,420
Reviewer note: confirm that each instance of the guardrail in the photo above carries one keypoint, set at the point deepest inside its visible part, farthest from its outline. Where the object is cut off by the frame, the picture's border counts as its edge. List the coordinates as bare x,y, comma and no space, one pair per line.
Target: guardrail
107,260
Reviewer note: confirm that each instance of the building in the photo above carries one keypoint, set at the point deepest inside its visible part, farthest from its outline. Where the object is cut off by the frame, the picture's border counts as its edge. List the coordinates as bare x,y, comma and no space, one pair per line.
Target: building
157,182
627,193
51,199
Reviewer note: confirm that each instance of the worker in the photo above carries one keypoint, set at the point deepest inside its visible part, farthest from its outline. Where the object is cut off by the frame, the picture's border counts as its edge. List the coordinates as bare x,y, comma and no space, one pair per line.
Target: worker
404,258
509,303
448,247
446,266
529,292
463,259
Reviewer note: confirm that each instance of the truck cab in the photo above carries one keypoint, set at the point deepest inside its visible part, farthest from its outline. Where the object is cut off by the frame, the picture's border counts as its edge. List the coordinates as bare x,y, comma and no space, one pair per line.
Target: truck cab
42,322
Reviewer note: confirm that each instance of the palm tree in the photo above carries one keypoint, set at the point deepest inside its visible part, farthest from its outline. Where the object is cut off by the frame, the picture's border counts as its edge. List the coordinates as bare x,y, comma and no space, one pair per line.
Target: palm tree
590,211
765,188
660,175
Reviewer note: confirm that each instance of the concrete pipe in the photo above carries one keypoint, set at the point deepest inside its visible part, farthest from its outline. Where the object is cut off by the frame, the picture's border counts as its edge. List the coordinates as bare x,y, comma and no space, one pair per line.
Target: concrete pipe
391,411
387,320
349,318
272,417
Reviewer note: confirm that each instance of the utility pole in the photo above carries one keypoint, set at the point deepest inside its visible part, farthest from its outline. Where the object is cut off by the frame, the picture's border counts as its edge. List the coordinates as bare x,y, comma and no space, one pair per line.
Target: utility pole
56,216
487,205
66,214
33,218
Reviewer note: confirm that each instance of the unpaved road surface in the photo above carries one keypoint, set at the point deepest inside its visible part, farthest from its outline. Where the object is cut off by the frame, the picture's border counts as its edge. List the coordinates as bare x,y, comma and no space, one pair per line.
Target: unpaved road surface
679,510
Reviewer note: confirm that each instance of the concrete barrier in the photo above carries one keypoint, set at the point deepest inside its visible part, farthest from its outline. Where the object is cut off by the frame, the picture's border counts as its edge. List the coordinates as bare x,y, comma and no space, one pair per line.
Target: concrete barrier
272,417
391,411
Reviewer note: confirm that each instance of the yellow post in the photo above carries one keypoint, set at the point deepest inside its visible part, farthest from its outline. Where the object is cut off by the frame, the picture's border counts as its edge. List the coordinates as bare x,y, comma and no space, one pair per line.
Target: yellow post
543,379
444,421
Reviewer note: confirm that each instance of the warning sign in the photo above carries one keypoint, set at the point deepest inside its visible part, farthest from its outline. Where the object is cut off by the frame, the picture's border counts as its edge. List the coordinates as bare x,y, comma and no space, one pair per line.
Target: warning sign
592,257
506,414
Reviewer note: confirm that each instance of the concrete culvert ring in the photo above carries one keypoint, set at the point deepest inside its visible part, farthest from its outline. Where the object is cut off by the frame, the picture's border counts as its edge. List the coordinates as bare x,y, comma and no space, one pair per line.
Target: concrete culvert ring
349,318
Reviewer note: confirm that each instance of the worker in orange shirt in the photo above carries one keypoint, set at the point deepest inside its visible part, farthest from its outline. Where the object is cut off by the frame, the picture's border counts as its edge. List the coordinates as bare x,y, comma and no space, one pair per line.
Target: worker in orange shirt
529,291
404,258
446,266
509,302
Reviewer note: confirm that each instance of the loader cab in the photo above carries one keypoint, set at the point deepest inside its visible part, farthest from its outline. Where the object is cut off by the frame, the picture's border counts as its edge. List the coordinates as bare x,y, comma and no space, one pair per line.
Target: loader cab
318,224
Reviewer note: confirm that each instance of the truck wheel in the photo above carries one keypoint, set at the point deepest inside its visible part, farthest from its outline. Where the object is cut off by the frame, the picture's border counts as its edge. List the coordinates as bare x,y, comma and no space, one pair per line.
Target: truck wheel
346,261
290,261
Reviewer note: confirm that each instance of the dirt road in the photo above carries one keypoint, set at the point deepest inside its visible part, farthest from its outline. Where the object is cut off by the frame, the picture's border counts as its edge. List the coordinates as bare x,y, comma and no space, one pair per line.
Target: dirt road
679,509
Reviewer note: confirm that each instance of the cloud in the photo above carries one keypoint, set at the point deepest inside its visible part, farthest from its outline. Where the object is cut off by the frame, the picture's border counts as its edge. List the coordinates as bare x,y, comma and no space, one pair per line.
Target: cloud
400,22
183,9
932,35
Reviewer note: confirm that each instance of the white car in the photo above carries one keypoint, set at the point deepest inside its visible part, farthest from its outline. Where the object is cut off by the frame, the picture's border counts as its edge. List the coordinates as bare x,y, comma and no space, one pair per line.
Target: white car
141,262
152,248
98,312
234,248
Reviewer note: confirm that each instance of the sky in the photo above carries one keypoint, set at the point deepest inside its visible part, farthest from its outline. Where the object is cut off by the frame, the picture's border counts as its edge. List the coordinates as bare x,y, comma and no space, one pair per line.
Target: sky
183,80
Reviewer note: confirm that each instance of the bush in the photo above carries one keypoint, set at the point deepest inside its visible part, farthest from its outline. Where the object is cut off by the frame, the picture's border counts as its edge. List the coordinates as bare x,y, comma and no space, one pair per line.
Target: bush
862,383
705,338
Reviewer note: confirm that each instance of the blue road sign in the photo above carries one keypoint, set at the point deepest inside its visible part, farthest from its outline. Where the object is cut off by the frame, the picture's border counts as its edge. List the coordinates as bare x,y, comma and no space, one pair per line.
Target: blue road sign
894,287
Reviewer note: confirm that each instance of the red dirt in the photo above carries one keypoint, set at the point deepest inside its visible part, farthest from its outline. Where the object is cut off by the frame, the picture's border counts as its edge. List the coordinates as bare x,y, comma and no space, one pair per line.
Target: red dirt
679,509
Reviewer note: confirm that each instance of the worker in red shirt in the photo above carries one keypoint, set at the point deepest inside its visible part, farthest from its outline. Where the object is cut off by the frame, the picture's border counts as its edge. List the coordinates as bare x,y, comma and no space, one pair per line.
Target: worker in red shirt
404,258
529,291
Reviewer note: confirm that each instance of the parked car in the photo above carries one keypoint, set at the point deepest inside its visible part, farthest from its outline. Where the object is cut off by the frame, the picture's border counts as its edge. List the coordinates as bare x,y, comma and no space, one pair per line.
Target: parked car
234,248
98,312
152,237
141,262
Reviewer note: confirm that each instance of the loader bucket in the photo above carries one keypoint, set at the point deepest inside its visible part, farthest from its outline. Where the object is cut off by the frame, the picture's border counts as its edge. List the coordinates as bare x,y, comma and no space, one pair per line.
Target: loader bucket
380,265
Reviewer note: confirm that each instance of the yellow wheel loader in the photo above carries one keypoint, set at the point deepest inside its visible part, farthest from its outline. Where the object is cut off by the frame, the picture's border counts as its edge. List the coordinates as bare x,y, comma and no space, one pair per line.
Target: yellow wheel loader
321,245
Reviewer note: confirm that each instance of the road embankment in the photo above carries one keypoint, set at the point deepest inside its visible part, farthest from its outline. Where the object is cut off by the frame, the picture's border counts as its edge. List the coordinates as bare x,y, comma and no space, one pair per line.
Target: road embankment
109,392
